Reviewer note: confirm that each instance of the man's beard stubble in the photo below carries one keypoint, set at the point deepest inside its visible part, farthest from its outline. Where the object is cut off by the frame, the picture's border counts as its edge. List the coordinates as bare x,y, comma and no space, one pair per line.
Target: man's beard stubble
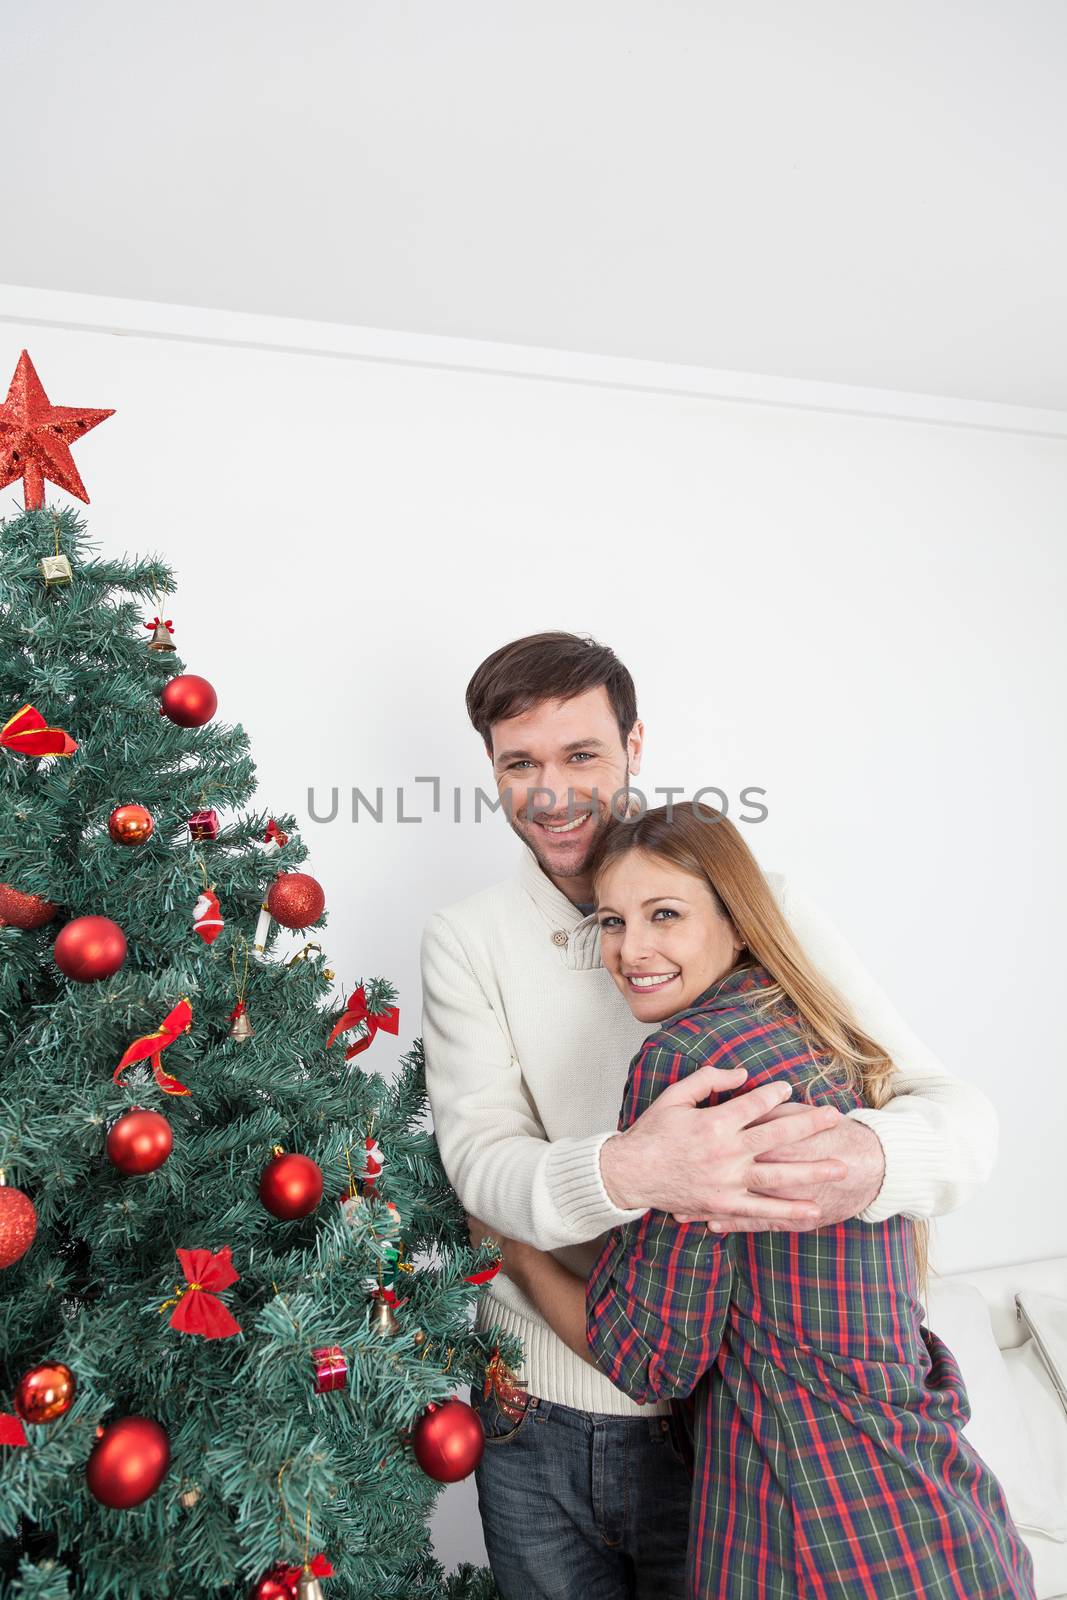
577,868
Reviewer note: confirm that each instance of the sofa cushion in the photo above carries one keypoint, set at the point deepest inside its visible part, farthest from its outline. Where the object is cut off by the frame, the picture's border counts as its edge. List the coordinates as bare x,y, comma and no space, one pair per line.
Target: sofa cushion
999,1428
1048,1425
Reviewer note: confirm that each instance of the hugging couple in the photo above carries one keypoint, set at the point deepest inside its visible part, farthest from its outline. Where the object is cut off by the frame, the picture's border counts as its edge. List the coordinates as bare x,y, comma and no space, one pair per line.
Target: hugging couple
717,1286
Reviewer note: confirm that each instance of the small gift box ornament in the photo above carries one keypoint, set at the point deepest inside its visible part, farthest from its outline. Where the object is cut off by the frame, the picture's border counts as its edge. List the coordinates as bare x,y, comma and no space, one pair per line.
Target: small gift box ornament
331,1368
203,825
55,569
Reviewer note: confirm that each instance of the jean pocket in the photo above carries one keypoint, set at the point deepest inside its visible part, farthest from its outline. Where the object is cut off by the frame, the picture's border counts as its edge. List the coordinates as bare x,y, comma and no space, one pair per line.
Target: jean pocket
497,1426
678,1437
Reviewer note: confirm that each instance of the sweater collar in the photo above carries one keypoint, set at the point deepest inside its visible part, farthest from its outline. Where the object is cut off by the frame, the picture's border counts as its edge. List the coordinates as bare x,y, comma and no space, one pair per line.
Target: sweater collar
575,934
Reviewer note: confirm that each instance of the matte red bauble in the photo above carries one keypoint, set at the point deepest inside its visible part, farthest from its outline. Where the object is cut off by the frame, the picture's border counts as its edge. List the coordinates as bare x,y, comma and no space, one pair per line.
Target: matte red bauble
448,1441
45,1392
24,910
290,1186
130,824
296,900
139,1142
189,701
128,1462
18,1223
90,948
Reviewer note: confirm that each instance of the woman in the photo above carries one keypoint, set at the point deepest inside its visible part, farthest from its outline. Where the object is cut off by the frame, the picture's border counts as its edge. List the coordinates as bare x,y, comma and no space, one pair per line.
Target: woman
825,1419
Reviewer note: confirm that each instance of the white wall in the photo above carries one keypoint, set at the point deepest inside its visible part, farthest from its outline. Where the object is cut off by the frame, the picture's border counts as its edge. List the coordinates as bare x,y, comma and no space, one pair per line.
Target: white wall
862,615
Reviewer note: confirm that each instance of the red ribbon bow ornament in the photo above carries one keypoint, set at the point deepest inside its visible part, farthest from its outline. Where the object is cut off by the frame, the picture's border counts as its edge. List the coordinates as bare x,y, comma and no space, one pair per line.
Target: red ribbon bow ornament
198,1308
152,1045
11,1430
356,1012
28,733
291,1576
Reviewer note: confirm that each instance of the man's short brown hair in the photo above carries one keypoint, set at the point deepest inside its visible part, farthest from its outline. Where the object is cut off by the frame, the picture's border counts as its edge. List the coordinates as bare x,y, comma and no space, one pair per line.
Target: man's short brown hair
548,666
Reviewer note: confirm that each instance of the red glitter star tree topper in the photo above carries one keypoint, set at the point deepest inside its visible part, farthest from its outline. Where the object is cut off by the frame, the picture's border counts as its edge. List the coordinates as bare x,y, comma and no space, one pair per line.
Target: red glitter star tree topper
35,437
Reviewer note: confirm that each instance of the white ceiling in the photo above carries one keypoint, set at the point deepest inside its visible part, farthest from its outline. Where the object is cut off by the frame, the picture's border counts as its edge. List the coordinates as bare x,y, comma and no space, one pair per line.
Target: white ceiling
845,190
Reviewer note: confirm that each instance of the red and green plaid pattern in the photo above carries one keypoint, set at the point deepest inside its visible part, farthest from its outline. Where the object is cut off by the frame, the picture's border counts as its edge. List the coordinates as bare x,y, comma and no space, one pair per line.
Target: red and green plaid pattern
828,1457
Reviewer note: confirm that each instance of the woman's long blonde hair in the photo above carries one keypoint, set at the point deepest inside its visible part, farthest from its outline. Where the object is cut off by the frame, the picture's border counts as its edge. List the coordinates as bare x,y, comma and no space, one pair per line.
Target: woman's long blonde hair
705,843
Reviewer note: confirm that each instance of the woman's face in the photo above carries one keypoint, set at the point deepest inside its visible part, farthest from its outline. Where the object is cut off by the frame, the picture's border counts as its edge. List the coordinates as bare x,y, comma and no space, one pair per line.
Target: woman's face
662,935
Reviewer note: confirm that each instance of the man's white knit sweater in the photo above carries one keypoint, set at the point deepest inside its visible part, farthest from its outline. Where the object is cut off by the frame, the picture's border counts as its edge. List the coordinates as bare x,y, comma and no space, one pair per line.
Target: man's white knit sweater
528,1046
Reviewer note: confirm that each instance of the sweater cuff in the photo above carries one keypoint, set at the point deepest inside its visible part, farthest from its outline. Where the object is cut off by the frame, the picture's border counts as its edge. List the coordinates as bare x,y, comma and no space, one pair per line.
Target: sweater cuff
913,1167
577,1189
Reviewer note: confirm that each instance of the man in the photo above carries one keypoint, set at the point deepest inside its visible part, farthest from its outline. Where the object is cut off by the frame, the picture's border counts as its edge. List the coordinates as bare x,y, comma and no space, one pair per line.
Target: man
528,1043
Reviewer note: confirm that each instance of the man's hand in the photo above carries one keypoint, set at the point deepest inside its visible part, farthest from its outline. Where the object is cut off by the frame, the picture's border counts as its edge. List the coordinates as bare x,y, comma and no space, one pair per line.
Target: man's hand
704,1161
850,1142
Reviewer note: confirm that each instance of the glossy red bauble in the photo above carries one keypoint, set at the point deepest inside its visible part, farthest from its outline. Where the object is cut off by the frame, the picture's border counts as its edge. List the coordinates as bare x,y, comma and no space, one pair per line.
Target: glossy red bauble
296,900
90,948
448,1441
272,1587
128,1462
130,824
189,701
45,1392
18,1224
139,1142
24,911
290,1186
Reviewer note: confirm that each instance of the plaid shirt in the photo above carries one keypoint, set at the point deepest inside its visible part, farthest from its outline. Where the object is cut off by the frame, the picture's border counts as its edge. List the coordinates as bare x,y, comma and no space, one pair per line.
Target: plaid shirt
825,1420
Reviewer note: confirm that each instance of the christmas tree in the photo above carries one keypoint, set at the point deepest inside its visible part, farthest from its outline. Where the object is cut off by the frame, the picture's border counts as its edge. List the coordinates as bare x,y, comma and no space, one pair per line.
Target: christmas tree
235,1285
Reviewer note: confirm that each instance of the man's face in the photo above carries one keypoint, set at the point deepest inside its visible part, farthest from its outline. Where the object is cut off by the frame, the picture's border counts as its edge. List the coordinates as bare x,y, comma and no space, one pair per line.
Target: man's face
557,767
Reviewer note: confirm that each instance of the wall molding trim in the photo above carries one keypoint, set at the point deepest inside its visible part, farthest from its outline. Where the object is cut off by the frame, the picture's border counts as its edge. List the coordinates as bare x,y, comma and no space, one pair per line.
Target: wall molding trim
120,318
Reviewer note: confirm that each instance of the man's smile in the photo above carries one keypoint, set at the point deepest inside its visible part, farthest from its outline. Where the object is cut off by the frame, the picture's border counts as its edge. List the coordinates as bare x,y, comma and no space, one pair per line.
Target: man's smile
564,827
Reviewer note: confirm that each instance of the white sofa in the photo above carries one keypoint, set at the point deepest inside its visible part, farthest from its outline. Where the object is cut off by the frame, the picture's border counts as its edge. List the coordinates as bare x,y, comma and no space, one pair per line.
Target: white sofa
1018,1424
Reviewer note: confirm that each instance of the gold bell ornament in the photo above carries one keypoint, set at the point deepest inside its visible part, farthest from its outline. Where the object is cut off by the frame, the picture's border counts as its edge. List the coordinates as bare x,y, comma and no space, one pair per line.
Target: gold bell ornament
381,1316
160,627
241,1027
161,634
240,1022
309,1587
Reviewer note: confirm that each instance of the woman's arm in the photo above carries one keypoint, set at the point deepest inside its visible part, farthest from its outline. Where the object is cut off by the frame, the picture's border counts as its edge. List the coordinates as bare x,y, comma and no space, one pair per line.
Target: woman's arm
559,1295
657,1297
656,1304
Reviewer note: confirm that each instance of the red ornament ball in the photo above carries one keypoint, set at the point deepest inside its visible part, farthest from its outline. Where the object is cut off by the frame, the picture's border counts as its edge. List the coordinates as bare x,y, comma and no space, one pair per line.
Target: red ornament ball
189,701
90,948
25,911
45,1392
128,1462
448,1441
139,1142
290,1186
296,900
272,1586
18,1224
130,824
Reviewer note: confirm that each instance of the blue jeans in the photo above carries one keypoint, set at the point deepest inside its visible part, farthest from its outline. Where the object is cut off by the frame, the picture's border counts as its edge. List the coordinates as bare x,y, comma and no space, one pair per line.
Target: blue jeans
577,1505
